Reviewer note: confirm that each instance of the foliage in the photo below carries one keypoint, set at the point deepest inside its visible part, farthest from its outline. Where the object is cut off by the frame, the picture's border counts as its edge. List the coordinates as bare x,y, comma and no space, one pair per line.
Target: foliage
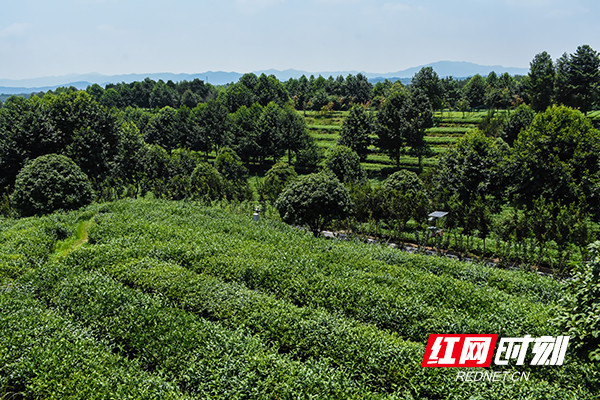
72,124
519,120
405,197
402,122
206,182
579,316
344,163
235,175
474,91
557,157
578,78
541,81
167,298
428,82
473,167
275,181
308,159
49,183
357,127
314,200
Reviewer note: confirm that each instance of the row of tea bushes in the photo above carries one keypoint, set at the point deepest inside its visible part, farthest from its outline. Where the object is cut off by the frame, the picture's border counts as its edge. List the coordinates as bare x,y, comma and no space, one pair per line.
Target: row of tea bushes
45,355
202,358
315,273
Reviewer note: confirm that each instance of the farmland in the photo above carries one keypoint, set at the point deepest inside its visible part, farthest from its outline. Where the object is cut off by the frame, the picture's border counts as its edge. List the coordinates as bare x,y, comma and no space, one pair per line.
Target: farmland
158,299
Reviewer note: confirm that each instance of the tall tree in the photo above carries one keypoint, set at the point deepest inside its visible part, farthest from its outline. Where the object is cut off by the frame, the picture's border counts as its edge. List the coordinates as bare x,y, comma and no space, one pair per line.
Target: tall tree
541,81
558,158
428,82
585,77
357,127
402,122
578,79
474,91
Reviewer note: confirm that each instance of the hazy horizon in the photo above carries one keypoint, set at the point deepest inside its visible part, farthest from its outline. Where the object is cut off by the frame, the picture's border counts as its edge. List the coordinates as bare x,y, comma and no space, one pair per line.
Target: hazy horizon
110,37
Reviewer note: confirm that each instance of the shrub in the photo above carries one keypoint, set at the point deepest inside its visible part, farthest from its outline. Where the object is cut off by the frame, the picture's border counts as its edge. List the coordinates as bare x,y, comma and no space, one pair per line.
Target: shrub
49,183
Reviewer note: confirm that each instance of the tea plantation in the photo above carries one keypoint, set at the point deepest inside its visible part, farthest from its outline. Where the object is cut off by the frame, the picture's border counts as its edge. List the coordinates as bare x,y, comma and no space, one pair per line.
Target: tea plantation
155,299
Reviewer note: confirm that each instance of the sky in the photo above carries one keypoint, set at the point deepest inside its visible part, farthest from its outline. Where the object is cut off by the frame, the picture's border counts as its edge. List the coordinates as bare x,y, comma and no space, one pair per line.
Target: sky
40,38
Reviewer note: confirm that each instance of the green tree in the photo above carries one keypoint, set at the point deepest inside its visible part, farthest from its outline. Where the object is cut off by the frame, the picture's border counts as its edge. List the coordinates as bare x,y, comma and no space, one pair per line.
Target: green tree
540,86
405,197
270,89
182,163
51,182
270,133
428,82
163,129
162,96
344,163
579,79
474,91
206,183
293,130
209,127
276,179
557,158
314,200
236,96
235,175
357,127
519,120
71,123
472,168
402,122
357,89
245,133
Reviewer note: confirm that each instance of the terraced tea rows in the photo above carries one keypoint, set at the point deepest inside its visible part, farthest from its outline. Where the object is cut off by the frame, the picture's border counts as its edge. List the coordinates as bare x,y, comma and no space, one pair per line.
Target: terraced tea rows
325,128
178,300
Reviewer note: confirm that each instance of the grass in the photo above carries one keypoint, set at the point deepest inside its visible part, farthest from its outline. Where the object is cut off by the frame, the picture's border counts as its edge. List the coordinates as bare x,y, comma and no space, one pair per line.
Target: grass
65,247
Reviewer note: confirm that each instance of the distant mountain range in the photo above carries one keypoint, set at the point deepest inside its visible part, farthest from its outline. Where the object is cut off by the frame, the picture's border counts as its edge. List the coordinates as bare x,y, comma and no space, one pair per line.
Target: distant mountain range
456,69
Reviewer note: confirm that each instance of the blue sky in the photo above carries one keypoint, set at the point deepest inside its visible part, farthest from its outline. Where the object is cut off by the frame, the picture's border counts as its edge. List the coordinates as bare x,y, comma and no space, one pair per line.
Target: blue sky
48,38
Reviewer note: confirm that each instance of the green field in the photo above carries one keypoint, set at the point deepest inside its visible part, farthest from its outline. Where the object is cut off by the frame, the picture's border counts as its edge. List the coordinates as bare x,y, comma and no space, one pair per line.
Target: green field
156,299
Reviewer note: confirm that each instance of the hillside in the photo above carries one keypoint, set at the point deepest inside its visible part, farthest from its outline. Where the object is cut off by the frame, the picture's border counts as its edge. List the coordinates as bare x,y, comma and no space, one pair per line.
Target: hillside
156,299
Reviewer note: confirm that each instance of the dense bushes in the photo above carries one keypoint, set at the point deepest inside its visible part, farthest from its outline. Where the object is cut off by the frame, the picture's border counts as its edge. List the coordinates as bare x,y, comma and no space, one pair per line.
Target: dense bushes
49,183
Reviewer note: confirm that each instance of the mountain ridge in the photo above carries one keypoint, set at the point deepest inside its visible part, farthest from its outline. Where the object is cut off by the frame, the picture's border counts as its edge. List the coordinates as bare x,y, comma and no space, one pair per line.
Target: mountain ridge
456,69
